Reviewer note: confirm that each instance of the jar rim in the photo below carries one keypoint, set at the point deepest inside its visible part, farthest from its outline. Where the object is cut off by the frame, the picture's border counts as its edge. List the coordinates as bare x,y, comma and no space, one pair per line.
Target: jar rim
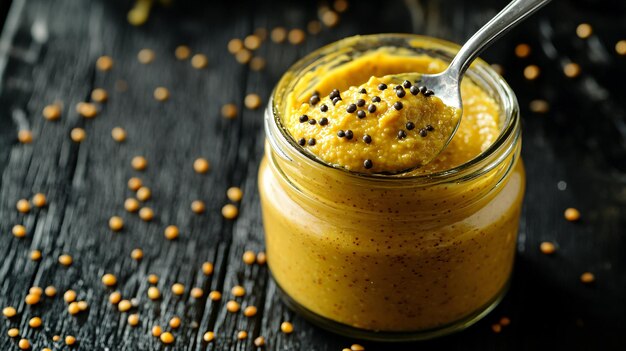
498,151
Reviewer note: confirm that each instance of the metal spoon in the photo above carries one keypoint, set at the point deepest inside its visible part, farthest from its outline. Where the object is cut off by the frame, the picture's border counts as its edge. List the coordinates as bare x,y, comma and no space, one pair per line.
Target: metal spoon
446,85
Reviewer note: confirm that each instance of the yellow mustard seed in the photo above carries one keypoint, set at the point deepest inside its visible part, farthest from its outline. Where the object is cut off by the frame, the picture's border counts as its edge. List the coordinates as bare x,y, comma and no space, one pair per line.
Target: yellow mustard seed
56,338
23,206
340,5
124,306
144,194
620,47
314,27
70,340
207,268
32,299
73,308
46,349
35,290
242,334
505,321
522,50
547,248
198,206
9,312
19,231
87,109
250,311
118,134
161,94
145,56
208,336
584,30
278,35
233,306
230,211
330,18
131,205
261,258
52,112
201,165
109,280
146,214
25,136
229,111
296,36
116,223
539,106
178,289
252,42
136,254
174,322
167,338
531,72
199,61
154,293
259,341
157,331
587,278
134,183
235,45
357,347
243,56
99,95
104,63
23,344
139,163
50,291
286,327
257,63
77,135
215,295
182,52
234,194
82,305
39,200
252,101
133,319
571,214
196,293
496,328
66,260
249,257
69,296
115,298
171,232
153,279
13,332
571,70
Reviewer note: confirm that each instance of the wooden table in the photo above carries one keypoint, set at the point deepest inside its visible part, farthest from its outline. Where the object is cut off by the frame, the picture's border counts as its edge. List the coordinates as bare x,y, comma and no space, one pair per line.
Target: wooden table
575,156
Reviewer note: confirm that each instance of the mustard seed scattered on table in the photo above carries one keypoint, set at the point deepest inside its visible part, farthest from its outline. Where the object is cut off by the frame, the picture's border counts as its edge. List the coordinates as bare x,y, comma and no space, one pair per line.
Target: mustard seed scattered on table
13,332
23,206
52,112
539,106
167,338
505,321
249,257
87,109
234,194
115,297
46,349
199,61
154,293
70,340
238,291
242,334
109,280
116,223
77,135
182,52
134,183
572,214
32,299
83,305
39,200
215,295
157,331
73,308
235,45
19,231
587,278
250,311
131,205
278,35
118,134
571,70
25,136
136,254
522,50
259,341
201,165
357,347
50,291
178,289
340,5
314,27
233,306
229,111
531,72
35,290
133,319
9,312
171,232
196,293
257,63
584,30
99,95
243,56
69,296
145,56
124,306
296,36
230,211
146,214
35,255
496,328
161,94
207,268
198,207
153,279
66,260
547,248
261,258
620,47
208,336
23,344
56,338
144,194
104,63
330,19
286,327
174,322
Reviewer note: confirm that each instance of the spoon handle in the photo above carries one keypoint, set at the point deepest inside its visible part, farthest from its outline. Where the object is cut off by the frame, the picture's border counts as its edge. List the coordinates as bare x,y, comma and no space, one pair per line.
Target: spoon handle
514,13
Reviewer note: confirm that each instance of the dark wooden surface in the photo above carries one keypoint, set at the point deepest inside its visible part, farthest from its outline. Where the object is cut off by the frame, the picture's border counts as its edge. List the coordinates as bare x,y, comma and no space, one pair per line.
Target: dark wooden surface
581,141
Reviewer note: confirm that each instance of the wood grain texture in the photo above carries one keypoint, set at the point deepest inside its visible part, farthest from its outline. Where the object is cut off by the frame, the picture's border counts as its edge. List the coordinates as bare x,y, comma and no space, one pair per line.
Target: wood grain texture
50,49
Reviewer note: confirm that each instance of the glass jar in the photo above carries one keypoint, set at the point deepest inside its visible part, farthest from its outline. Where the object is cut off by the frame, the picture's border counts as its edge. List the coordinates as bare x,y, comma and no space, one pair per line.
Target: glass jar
391,258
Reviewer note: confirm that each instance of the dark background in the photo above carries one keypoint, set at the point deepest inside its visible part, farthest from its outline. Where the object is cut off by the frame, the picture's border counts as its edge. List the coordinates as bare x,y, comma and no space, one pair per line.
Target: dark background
581,141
